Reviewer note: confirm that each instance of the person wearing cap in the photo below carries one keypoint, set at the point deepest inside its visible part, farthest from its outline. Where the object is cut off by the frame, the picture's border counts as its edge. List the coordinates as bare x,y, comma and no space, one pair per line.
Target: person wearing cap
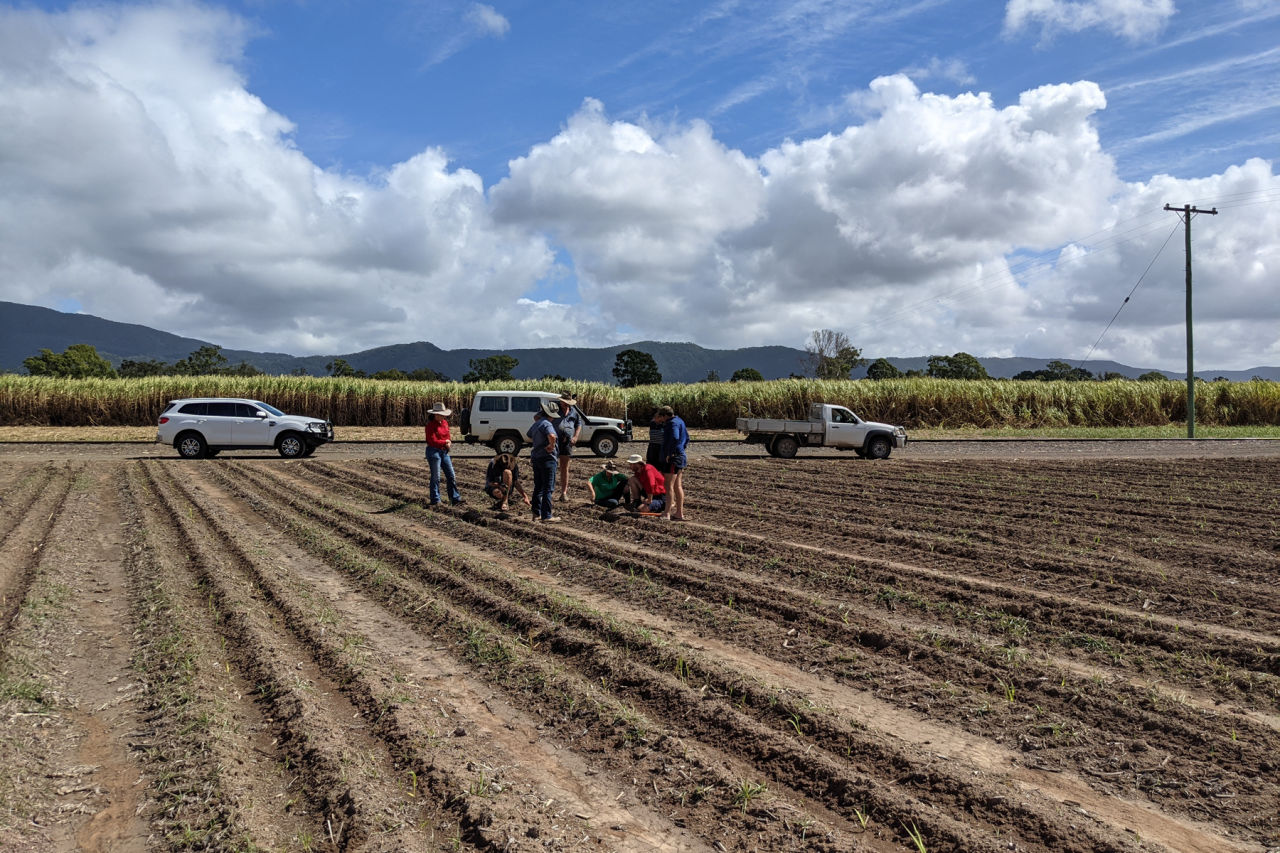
608,487
544,458
568,426
438,444
501,478
675,440
646,489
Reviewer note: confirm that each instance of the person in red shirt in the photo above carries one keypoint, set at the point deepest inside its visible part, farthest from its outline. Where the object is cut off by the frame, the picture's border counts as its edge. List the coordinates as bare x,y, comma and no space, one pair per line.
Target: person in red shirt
438,444
646,488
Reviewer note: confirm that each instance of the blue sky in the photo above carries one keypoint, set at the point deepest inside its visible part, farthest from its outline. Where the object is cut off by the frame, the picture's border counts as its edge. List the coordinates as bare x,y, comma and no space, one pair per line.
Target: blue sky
928,177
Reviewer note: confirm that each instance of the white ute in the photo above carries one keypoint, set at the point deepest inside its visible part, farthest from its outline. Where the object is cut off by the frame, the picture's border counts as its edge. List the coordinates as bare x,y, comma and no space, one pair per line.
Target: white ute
501,418
828,426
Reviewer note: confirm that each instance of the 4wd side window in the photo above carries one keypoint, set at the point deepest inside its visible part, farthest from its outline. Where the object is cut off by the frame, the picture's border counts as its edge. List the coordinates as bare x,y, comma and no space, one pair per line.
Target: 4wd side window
244,410
526,404
194,409
493,404
222,410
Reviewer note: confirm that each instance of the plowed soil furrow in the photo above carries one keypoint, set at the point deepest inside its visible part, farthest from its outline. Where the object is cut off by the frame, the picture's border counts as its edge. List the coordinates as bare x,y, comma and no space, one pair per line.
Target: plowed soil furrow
375,674
951,653
634,647
221,780
514,649
20,553
1072,552
350,779
1105,709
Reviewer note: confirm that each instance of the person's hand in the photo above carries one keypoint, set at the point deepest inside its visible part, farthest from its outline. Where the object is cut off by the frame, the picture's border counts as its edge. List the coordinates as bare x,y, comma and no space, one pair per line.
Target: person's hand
526,500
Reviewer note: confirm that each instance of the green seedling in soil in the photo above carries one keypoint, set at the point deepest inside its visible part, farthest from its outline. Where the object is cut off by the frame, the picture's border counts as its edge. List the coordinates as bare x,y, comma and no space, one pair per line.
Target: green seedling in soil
682,670
917,837
794,720
863,817
1010,691
480,787
748,791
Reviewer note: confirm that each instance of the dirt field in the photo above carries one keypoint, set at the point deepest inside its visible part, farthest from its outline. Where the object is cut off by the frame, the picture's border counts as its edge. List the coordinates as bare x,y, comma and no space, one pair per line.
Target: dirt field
932,653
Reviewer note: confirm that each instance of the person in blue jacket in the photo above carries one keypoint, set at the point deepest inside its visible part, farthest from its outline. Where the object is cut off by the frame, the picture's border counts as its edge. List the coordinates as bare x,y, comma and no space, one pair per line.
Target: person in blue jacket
675,440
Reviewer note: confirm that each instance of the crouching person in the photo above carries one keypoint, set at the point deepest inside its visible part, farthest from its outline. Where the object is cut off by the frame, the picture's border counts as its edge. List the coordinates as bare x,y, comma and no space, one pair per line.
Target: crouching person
646,488
608,487
501,478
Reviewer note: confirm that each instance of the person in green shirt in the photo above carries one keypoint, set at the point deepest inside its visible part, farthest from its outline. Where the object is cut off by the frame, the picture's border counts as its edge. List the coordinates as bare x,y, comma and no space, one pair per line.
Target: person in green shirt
608,486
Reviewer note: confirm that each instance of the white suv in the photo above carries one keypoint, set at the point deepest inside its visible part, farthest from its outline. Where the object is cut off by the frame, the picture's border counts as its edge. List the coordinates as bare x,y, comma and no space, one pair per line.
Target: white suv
200,427
501,419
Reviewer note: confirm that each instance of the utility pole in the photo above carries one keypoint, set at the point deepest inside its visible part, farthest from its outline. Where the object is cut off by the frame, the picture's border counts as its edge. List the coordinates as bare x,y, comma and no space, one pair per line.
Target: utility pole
1184,213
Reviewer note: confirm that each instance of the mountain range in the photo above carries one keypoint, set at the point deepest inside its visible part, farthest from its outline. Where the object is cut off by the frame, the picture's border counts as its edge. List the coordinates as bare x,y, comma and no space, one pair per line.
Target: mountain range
26,329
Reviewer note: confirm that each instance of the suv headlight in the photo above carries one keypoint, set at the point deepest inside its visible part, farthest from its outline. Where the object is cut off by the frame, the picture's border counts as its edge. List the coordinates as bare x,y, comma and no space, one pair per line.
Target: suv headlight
315,426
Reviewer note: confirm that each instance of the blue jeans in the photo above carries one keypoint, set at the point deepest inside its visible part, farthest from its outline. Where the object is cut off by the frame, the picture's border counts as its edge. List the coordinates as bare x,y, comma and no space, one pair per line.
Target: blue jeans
437,459
544,484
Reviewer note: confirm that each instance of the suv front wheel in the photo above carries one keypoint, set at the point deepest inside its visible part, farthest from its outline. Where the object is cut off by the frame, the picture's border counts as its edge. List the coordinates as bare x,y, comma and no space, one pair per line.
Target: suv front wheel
291,446
604,444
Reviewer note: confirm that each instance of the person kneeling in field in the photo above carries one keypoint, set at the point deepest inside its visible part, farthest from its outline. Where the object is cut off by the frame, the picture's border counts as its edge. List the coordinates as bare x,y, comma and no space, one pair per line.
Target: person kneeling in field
647,488
608,487
501,478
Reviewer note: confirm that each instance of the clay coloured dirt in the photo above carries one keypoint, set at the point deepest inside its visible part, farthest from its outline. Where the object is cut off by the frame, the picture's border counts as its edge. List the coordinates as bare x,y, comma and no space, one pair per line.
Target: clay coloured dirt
930,654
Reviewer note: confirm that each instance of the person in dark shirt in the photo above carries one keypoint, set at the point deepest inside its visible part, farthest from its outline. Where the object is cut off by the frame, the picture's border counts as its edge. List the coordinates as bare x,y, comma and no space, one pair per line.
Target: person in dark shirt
675,440
543,458
654,453
501,478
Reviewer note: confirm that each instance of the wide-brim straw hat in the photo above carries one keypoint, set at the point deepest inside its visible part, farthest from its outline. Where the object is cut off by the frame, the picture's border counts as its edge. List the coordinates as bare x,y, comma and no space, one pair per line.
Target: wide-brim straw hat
609,466
440,409
634,459
567,399
551,408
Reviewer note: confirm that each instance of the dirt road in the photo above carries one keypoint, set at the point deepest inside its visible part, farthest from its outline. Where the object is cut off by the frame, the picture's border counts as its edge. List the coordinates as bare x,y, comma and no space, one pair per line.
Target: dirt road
987,648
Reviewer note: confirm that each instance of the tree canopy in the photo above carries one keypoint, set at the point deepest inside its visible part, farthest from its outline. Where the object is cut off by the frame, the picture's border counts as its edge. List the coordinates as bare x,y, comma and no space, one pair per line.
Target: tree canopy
633,367
78,361
958,366
1056,371
495,368
746,374
829,355
882,368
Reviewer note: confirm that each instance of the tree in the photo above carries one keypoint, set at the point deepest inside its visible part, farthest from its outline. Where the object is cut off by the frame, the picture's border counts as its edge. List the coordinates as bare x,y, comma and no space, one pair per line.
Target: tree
130,369
958,366
339,367
633,367
208,360
1112,375
244,368
495,368
746,374
1153,376
426,374
829,355
881,368
712,376
78,361
1056,371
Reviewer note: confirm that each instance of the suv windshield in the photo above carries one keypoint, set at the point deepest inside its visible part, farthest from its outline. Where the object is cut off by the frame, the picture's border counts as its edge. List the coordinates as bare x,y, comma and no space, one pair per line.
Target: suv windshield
270,409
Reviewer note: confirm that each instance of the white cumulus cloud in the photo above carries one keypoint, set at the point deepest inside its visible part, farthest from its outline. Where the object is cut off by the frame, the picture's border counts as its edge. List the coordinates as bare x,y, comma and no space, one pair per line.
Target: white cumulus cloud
1131,19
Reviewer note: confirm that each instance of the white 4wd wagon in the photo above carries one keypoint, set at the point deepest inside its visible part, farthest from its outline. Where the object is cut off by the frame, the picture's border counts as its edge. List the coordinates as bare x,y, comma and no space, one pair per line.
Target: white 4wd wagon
200,427
501,419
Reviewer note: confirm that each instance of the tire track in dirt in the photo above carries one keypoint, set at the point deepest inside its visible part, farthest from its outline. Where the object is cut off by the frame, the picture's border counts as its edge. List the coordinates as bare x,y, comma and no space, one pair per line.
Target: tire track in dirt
1192,738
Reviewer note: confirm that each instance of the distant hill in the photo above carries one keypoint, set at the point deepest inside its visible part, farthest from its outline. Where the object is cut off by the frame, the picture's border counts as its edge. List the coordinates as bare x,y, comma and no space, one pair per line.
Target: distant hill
26,329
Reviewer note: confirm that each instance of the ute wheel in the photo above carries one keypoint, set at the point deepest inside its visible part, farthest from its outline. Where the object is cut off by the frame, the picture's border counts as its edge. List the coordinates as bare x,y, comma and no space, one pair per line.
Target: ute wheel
507,442
291,446
211,452
191,445
879,447
311,448
604,444
785,447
